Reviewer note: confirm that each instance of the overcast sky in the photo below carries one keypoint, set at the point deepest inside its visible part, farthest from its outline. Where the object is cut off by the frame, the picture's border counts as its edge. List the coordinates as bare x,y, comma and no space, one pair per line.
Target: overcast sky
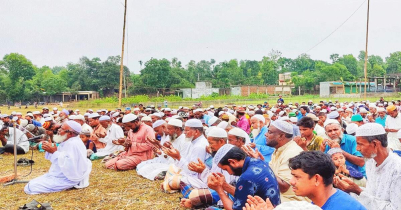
53,33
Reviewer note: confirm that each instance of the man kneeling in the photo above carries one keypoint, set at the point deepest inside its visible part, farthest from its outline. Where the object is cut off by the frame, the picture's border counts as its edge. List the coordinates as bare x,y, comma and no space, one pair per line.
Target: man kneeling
70,167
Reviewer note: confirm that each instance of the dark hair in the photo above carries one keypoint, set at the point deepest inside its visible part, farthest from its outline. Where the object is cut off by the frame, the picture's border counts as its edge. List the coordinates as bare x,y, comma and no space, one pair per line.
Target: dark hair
241,138
314,162
306,122
382,138
259,112
305,108
200,129
321,114
234,153
219,138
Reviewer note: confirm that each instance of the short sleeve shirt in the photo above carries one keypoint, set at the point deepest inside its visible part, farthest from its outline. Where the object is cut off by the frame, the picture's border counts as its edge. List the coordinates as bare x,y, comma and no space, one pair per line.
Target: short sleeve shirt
257,178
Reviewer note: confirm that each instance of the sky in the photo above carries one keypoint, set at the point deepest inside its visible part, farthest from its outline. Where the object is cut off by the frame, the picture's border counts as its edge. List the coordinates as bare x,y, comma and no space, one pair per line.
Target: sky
54,32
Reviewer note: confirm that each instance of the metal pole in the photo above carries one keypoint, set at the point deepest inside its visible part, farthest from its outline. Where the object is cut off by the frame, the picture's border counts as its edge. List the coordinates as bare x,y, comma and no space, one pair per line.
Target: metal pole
15,149
366,49
122,58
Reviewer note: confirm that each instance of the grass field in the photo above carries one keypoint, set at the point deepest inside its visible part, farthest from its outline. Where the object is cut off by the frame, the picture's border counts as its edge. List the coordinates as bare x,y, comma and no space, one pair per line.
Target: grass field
107,190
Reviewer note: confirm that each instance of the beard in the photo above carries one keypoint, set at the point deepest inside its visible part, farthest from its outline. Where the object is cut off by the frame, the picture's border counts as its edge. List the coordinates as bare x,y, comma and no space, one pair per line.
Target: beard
213,153
373,155
136,129
189,139
236,171
173,137
338,139
255,132
59,139
271,143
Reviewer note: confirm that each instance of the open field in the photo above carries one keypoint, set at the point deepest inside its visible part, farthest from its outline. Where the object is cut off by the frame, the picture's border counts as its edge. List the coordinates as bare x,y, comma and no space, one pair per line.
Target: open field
107,190
105,104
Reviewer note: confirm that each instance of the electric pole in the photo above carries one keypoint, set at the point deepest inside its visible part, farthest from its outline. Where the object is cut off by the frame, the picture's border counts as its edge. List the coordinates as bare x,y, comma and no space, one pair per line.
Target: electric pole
122,58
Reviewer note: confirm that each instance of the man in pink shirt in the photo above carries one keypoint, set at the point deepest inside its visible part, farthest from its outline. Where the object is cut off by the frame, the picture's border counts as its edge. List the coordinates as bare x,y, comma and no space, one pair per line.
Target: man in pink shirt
137,148
243,123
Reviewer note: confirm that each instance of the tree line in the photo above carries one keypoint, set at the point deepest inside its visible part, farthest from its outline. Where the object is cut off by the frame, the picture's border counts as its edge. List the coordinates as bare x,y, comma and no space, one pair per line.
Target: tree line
21,80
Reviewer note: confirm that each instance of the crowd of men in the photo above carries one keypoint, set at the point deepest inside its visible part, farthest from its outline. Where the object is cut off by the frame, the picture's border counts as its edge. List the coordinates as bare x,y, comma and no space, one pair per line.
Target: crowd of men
326,155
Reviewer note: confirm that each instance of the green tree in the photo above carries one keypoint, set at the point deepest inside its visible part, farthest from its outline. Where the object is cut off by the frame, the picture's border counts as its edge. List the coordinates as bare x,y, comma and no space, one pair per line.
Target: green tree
394,63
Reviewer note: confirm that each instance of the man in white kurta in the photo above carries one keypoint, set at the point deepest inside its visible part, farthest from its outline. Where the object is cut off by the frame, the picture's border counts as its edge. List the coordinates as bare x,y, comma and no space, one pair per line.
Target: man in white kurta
392,126
383,171
151,168
114,132
70,166
196,150
7,140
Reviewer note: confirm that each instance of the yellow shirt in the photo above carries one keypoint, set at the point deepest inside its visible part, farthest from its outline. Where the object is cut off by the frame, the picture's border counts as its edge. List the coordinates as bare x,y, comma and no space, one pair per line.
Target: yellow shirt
315,143
279,165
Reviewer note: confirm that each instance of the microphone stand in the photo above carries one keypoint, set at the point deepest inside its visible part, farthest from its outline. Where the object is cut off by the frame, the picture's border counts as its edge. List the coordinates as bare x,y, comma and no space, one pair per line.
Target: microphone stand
15,180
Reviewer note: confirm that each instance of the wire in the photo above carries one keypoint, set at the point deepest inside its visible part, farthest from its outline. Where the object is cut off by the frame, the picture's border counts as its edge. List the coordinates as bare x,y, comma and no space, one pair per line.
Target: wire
337,27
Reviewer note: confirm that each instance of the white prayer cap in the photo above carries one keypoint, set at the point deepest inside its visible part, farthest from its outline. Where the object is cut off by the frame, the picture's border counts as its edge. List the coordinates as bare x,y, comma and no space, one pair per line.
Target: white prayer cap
212,120
66,112
211,106
334,150
283,126
333,115
281,113
48,119
18,113
167,110
77,110
363,110
142,114
174,112
156,114
313,117
251,112
146,119
158,123
86,115
129,118
176,117
193,123
198,110
285,118
340,110
222,152
23,122
217,132
35,112
116,114
136,109
351,128
13,113
380,104
333,108
93,115
55,108
80,117
381,109
370,129
293,119
75,126
29,114
348,110
223,124
90,110
72,117
324,111
221,112
104,118
330,121
238,132
372,105
259,117
175,122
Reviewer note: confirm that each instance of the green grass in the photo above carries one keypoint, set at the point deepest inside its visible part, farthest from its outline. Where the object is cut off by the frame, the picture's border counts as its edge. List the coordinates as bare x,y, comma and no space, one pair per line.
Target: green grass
107,190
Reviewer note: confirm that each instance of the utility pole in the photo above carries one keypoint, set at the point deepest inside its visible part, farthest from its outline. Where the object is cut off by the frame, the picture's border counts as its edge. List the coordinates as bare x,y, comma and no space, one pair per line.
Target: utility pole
366,50
122,58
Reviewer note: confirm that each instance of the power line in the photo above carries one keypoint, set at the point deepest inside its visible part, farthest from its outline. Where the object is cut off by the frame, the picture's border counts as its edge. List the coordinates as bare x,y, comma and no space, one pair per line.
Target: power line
337,27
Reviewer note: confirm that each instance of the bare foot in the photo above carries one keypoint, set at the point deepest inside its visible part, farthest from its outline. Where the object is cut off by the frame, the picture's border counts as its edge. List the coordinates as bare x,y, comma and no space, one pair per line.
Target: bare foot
187,203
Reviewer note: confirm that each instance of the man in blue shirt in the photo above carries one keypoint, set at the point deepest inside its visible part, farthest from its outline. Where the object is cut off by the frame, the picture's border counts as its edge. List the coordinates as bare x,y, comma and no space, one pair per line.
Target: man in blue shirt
313,173
259,140
346,142
381,118
256,178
